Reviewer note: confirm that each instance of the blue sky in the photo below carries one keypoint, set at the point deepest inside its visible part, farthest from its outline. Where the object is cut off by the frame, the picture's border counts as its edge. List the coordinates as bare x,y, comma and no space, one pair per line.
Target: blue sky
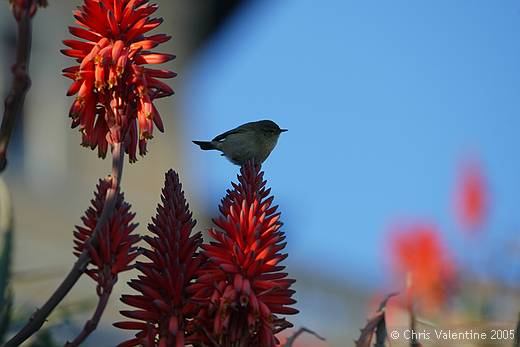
382,100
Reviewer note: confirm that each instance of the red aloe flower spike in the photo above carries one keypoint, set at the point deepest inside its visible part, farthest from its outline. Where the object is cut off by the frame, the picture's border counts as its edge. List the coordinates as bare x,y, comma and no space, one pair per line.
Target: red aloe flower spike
163,310
242,288
116,248
471,197
113,253
115,94
420,256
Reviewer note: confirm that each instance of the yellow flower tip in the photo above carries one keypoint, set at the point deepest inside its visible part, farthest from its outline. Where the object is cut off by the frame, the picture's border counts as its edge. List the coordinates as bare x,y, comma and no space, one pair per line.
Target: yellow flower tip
142,91
145,136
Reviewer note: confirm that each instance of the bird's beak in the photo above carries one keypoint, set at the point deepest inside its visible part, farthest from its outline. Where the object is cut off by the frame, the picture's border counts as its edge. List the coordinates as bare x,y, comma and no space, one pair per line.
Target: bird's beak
283,130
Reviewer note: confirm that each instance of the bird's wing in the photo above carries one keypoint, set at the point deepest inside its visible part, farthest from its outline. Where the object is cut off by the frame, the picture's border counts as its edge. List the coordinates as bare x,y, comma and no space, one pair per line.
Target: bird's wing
227,133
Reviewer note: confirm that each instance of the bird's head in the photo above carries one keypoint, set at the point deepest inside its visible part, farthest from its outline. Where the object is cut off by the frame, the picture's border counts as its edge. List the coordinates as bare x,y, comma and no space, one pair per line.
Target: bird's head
269,128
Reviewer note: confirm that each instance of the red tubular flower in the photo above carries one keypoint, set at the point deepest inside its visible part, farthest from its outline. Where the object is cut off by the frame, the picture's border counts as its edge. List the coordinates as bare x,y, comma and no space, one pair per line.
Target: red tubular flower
163,309
115,248
242,287
115,92
471,197
419,254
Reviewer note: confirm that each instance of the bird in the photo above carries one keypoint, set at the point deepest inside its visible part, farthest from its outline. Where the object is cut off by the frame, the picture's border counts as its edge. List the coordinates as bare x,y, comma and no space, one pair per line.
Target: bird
249,141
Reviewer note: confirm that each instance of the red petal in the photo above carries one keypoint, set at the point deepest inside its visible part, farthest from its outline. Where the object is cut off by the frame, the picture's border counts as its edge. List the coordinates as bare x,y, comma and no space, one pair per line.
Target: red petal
154,58
85,34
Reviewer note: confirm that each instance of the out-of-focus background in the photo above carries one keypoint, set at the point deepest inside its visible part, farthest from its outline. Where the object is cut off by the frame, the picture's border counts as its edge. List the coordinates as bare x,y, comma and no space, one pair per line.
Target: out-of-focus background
400,114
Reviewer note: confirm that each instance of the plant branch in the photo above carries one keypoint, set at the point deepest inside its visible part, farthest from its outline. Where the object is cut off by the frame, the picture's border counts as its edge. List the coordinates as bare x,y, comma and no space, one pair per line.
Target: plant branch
21,83
93,322
290,340
40,315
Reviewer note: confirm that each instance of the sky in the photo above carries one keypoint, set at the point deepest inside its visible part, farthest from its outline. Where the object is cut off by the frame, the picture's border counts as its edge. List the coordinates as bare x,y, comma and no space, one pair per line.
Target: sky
383,101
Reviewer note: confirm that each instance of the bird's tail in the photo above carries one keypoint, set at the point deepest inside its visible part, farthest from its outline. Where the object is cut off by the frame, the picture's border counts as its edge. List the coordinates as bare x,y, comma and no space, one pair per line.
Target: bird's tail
205,145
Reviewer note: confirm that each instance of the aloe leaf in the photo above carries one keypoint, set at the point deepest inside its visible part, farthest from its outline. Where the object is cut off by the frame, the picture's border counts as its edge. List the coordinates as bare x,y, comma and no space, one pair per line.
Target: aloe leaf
6,228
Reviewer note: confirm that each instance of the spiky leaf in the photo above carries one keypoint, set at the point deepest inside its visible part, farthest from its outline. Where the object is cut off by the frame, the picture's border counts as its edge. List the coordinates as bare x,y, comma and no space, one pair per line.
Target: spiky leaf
376,324
6,228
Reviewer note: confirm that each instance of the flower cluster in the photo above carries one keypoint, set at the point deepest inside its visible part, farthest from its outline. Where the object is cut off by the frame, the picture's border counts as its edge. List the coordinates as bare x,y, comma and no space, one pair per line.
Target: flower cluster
164,310
420,255
232,293
20,6
115,92
116,245
243,286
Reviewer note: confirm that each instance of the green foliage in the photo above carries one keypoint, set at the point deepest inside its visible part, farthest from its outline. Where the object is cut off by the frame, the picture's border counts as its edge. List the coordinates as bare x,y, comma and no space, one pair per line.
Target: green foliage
6,251
5,315
44,339
6,297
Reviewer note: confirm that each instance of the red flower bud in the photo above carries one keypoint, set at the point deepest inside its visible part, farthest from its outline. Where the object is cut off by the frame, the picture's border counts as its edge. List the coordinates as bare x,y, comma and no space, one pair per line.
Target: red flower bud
115,248
163,300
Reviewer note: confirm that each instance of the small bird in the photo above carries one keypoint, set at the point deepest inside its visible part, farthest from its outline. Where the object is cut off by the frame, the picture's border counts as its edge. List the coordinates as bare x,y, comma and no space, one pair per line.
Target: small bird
254,140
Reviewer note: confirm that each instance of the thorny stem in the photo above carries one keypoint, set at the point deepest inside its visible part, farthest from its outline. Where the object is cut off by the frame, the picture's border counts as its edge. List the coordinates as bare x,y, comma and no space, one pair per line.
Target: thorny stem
40,315
21,83
93,322
300,331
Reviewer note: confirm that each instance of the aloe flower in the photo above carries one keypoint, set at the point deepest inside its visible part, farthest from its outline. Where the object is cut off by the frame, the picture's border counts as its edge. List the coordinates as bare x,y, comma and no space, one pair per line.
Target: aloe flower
471,197
115,91
422,259
116,244
163,311
242,288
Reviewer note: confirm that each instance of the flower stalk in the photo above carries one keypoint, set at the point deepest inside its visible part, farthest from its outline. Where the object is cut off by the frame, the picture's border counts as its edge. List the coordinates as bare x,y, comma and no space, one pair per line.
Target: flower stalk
14,101
114,252
93,322
39,317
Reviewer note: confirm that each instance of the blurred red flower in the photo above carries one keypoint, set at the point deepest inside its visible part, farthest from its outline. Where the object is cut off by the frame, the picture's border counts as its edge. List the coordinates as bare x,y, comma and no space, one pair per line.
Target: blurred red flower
115,248
163,310
420,257
242,288
471,197
115,93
